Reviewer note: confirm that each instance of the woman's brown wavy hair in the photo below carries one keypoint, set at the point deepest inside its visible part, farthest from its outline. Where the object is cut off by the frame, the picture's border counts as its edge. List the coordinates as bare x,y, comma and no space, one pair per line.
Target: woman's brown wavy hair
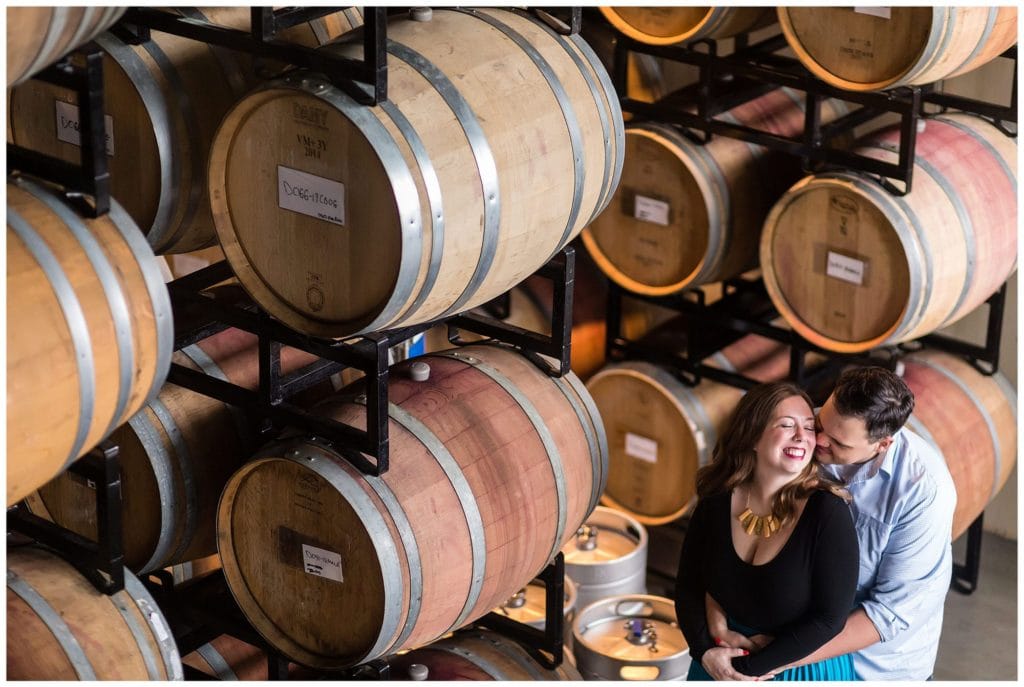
733,460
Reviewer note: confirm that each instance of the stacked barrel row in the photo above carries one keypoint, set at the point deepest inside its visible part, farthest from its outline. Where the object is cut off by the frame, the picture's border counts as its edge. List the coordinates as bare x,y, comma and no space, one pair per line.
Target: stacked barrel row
849,265
499,142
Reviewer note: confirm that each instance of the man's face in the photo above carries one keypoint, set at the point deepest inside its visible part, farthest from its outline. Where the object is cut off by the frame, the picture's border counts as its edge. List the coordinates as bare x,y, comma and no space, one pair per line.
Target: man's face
843,440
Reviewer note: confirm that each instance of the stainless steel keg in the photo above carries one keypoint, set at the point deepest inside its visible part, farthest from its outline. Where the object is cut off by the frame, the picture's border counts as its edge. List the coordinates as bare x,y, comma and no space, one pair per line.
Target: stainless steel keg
630,637
608,557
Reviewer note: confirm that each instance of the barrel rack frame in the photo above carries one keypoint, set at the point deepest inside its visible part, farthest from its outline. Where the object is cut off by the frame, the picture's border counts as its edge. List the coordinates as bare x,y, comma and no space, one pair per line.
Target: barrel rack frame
725,82
207,609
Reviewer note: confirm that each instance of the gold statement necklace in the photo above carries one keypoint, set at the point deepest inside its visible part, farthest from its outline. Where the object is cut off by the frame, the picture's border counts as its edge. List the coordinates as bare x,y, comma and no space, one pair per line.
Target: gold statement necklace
758,525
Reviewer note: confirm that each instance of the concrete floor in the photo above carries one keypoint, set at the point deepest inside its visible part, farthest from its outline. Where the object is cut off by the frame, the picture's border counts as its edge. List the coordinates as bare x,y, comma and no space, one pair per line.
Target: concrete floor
979,631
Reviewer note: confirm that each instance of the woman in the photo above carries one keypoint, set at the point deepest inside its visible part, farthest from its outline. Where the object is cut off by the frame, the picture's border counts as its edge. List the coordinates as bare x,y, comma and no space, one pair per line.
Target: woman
770,543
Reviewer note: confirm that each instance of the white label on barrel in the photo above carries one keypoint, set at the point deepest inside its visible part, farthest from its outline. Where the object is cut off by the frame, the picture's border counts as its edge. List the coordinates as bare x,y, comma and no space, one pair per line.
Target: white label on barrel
883,12
641,447
845,268
650,210
311,195
322,563
67,126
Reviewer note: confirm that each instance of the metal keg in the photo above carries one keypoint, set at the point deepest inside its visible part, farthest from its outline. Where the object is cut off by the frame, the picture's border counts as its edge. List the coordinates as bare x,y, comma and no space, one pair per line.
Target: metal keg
608,557
630,637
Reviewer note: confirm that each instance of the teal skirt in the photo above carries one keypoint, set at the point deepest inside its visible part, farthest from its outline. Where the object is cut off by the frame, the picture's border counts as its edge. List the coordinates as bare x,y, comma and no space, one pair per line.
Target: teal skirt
838,668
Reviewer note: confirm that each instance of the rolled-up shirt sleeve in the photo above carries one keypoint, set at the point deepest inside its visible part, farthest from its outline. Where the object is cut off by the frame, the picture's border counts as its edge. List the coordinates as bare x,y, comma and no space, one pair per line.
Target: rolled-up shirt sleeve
911,570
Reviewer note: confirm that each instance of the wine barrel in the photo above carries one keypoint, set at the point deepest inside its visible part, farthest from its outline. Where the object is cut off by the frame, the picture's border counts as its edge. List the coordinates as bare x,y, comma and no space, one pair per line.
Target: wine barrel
176,455
39,36
668,25
494,465
163,102
660,431
687,214
60,627
89,331
851,266
875,48
475,655
500,140
971,419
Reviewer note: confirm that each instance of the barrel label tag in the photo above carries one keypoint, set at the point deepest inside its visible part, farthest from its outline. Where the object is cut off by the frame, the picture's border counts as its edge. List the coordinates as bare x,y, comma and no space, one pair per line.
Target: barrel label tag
68,126
651,210
641,448
311,195
845,268
881,12
322,563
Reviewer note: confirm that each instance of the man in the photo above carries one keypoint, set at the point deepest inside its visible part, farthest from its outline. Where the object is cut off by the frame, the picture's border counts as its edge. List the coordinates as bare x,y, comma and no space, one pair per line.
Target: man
903,502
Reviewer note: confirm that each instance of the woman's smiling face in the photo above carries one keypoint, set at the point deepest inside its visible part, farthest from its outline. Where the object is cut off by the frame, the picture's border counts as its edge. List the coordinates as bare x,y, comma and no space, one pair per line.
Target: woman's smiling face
787,443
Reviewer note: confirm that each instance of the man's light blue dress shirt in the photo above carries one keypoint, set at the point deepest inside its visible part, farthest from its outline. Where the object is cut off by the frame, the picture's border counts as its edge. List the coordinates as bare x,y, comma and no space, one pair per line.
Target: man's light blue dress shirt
903,504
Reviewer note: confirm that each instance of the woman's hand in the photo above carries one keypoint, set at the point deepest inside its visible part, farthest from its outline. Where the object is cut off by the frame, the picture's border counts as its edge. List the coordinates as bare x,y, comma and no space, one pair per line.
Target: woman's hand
718,663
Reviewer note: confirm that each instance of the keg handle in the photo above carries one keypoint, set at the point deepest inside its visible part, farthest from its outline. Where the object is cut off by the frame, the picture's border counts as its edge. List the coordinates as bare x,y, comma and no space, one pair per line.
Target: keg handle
517,600
641,632
586,538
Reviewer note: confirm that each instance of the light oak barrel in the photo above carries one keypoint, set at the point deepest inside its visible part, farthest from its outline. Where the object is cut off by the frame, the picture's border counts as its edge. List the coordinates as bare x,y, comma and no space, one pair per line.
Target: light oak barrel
176,455
476,654
494,465
971,419
39,36
669,25
60,627
687,214
660,431
499,142
852,267
163,102
868,49
89,331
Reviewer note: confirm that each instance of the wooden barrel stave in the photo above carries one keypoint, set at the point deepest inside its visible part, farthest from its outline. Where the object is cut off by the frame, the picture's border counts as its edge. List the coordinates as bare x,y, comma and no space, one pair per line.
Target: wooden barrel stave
90,292
865,49
669,25
164,110
82,633
176,454
476,655
438,183
39,36
971,420
686,214
919,262
510,512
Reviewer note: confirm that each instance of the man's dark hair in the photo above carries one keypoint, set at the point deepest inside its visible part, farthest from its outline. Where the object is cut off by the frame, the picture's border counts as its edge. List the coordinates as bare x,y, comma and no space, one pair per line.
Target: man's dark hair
877,396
